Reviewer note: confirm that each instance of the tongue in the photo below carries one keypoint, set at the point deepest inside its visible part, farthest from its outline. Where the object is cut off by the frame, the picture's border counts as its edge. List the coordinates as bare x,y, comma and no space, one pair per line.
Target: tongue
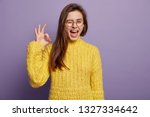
73,34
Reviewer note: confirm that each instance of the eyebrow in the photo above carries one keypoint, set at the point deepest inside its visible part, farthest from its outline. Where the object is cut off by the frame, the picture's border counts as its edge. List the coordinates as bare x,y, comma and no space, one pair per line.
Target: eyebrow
72,19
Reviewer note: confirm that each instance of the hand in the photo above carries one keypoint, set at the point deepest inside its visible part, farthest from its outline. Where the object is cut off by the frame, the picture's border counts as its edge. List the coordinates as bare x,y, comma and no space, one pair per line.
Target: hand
41,37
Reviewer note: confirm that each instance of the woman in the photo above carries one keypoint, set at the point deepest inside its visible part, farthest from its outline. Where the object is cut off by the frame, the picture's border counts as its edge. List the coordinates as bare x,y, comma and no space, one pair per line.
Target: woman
73,65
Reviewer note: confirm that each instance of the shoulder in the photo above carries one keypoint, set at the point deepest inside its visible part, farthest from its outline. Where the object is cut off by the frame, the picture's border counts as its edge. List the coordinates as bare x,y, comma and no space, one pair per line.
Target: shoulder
90,47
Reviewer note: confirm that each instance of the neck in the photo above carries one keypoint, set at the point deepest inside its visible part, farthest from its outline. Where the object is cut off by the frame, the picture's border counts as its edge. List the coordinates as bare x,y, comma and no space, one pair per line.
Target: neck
75,43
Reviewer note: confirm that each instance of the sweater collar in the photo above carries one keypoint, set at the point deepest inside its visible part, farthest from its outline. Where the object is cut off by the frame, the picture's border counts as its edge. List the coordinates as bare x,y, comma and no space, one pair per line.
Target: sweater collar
75,42
73,45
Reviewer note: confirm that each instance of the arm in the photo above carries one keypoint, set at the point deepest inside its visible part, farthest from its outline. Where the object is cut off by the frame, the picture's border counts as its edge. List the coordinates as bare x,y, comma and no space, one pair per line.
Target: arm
37,64
96,76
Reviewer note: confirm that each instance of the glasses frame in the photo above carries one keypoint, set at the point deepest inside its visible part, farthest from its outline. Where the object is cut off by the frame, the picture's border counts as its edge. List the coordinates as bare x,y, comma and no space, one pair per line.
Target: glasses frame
72,24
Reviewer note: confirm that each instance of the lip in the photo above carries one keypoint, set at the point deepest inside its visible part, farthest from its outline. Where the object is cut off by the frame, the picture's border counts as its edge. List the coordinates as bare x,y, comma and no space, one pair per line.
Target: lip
73,33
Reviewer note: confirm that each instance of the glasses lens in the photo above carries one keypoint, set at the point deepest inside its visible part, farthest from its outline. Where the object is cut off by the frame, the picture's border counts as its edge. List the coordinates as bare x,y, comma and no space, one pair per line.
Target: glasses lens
71,23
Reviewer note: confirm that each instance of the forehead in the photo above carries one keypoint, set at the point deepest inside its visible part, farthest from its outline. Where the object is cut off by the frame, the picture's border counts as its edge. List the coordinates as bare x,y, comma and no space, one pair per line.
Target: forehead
75,15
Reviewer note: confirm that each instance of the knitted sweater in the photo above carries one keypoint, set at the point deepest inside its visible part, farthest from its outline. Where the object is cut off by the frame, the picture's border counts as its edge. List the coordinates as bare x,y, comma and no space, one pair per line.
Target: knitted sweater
82,82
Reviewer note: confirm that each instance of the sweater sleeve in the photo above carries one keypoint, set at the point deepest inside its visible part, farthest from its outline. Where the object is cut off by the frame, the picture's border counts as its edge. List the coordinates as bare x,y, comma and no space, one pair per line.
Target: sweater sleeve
96,76
37,64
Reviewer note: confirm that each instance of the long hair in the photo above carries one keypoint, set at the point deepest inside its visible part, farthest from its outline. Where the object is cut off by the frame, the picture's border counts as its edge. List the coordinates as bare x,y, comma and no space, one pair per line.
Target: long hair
60,44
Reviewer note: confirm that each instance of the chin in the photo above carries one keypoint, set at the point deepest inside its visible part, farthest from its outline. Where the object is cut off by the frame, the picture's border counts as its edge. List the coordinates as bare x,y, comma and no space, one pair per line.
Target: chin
73,39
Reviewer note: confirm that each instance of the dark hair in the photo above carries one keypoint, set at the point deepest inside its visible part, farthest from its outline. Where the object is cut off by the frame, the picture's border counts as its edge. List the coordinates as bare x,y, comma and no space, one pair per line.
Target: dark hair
60,45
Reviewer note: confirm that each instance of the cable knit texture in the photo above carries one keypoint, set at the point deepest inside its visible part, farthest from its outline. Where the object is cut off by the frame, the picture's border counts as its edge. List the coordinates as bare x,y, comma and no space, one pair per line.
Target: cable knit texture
82,82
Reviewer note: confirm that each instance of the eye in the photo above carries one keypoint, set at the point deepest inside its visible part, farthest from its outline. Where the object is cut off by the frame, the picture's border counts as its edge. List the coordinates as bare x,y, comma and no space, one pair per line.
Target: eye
79,21
69,22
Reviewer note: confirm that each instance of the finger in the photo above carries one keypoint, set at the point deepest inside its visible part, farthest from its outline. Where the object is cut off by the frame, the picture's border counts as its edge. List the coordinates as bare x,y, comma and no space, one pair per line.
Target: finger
43,28
35,31
47,37
39,29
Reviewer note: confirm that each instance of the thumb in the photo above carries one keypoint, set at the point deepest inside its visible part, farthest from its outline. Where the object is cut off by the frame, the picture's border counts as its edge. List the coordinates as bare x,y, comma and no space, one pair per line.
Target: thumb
47,37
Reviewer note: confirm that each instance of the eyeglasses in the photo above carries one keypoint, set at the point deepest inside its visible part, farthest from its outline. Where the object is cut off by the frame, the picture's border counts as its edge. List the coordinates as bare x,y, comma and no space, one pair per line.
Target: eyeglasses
70,23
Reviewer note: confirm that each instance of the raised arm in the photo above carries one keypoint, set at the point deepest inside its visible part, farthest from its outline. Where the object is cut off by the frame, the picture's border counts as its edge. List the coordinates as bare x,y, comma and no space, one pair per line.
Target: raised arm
37,60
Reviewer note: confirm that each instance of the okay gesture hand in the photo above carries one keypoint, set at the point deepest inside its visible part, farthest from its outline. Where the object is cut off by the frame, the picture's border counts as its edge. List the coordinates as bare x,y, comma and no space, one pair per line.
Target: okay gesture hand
41,37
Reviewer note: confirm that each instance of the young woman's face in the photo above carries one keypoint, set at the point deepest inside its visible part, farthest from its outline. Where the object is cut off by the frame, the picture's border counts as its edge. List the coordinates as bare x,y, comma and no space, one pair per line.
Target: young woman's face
74,25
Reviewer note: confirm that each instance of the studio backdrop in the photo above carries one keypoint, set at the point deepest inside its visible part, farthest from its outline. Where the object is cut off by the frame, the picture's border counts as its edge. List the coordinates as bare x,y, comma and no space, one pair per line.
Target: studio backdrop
119,28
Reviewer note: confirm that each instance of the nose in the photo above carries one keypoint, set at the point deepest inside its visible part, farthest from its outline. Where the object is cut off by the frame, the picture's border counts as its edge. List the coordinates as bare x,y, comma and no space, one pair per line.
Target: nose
74,25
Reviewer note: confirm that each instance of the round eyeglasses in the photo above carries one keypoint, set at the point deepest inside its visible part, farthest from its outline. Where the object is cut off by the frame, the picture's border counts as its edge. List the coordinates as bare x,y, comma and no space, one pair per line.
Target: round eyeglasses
71,23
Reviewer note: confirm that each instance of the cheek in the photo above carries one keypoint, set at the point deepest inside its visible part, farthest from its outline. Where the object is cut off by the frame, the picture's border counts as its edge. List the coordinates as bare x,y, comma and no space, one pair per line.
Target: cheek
81,29
67,29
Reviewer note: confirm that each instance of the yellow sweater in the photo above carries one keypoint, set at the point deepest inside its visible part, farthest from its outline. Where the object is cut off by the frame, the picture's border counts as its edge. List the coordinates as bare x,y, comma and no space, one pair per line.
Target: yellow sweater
82,82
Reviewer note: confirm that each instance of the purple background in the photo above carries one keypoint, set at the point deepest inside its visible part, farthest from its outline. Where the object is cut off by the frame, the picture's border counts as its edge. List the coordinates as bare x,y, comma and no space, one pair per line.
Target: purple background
119,28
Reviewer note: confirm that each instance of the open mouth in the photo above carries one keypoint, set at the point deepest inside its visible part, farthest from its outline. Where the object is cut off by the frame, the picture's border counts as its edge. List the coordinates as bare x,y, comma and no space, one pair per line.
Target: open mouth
74,33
